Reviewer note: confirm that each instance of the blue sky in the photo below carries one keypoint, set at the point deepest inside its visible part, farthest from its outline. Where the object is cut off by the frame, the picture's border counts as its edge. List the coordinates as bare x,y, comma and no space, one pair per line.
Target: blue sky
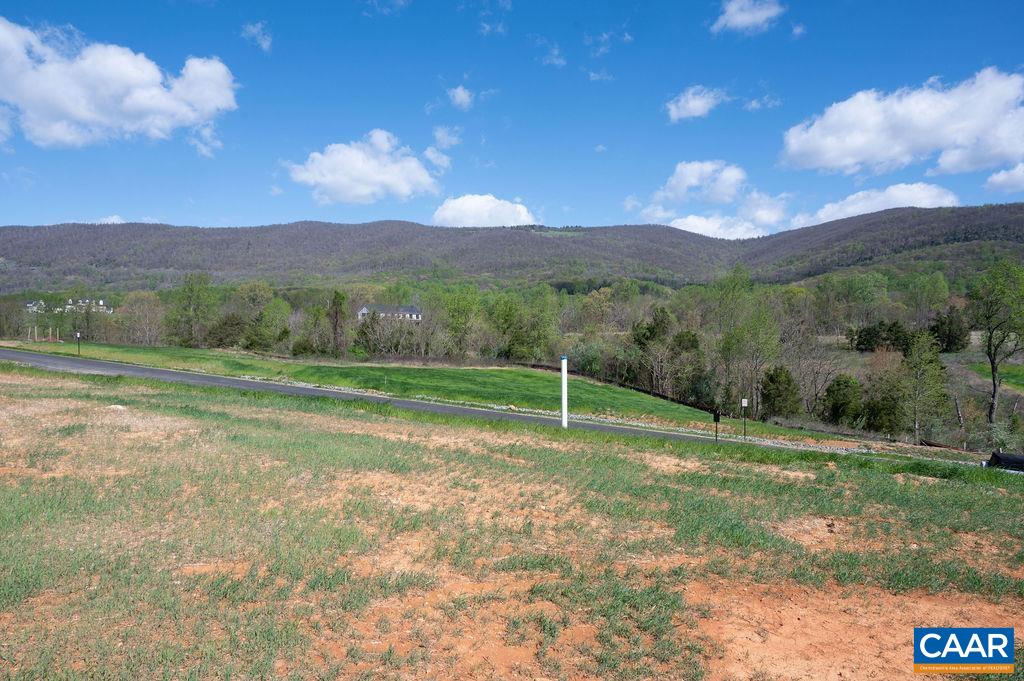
732,118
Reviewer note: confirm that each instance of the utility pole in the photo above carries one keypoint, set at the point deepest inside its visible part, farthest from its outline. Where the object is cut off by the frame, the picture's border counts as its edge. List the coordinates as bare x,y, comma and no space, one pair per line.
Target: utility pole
565,391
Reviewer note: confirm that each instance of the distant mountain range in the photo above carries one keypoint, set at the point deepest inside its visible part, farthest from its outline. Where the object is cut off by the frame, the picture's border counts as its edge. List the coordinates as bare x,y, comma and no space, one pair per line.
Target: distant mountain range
140,255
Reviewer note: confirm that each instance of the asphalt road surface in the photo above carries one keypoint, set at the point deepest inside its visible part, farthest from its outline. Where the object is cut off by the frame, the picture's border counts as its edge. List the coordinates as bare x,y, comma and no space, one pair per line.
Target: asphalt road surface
80,365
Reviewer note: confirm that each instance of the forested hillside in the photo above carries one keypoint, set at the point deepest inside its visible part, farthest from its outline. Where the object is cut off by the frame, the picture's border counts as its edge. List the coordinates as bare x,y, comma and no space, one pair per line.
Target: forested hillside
127,256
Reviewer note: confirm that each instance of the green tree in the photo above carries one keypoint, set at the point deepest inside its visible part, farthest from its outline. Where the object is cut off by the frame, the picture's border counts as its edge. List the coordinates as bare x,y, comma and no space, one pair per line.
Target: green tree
886,394
193,308
842,403
270,326
315,338
249,299
997,309
925,294
337,315
227,332
462,311
780,395
951,331
926,383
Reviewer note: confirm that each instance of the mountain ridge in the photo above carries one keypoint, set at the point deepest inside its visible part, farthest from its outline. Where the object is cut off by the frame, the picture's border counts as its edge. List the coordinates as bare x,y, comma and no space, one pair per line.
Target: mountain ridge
150,255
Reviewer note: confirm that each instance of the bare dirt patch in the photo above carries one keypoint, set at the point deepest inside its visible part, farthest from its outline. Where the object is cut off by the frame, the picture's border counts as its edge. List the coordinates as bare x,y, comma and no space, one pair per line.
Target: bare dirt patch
790,632
815,533
671,464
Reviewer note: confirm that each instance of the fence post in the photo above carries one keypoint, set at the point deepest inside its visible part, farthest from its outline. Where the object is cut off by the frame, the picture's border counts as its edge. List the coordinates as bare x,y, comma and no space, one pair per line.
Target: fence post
565,391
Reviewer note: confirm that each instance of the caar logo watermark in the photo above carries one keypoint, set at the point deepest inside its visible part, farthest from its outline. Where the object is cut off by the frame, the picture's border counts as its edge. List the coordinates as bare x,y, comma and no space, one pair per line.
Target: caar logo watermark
963,650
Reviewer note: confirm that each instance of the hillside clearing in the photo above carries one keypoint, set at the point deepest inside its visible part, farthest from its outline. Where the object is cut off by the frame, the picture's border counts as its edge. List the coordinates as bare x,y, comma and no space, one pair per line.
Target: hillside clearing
213,533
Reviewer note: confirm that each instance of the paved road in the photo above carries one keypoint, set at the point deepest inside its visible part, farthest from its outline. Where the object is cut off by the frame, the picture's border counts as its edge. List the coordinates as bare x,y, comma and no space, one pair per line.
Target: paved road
80,365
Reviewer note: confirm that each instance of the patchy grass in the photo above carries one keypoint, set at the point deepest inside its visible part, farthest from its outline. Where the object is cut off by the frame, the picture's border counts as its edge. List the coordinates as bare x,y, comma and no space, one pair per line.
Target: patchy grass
149,530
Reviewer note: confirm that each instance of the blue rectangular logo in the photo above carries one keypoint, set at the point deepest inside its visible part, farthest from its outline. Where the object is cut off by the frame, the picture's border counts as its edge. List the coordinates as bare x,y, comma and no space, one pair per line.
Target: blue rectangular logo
963,650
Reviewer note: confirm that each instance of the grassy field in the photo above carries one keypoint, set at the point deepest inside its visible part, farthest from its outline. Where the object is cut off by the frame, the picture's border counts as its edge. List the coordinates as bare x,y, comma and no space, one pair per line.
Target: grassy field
150,530
1013,374
519,387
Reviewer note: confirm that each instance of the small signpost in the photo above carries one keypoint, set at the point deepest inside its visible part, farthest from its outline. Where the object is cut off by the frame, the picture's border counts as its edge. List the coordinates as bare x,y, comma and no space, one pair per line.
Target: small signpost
565,391
78,338
718,417
743,404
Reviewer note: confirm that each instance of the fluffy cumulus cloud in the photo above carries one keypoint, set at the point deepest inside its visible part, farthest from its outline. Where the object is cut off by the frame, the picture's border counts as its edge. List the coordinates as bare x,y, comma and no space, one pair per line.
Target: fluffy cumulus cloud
975,124
762,209
718,226
1009,181
715,181
482,210
461,97
695,101
747,16
712,182
65,93
364,171
918,194
111,220
258,35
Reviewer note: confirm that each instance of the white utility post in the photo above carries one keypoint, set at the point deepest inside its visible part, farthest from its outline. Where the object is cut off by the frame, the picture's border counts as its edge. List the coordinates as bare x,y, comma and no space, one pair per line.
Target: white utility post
565,391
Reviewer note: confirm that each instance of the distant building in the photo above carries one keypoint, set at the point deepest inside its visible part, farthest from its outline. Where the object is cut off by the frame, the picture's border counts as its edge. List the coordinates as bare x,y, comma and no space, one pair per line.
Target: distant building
80,305
410,312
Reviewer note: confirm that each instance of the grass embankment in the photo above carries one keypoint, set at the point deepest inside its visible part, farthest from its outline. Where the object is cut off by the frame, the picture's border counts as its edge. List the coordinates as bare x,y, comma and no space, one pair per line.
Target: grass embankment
150,530
512,386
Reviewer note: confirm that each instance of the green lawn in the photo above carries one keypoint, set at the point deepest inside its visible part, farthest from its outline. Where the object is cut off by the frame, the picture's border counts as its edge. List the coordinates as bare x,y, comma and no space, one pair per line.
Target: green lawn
1013,374
518,387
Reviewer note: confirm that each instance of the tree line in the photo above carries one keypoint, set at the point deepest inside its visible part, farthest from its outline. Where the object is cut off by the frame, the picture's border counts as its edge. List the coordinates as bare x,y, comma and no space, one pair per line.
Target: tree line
857,350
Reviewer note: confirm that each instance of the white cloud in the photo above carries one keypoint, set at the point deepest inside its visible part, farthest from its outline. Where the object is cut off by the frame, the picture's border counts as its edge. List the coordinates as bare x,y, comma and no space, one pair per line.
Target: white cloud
763,209
446,137
657,213
204,139
111,220
630,203
384,7
364,171
1008,181
487,28
553,57
440,159
482,210
598,76
461,97
722,227
600,148
747,16
695,101
919,194
978,123
715,181
68,94
5,123
799,30
258,35
767,101
275,190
